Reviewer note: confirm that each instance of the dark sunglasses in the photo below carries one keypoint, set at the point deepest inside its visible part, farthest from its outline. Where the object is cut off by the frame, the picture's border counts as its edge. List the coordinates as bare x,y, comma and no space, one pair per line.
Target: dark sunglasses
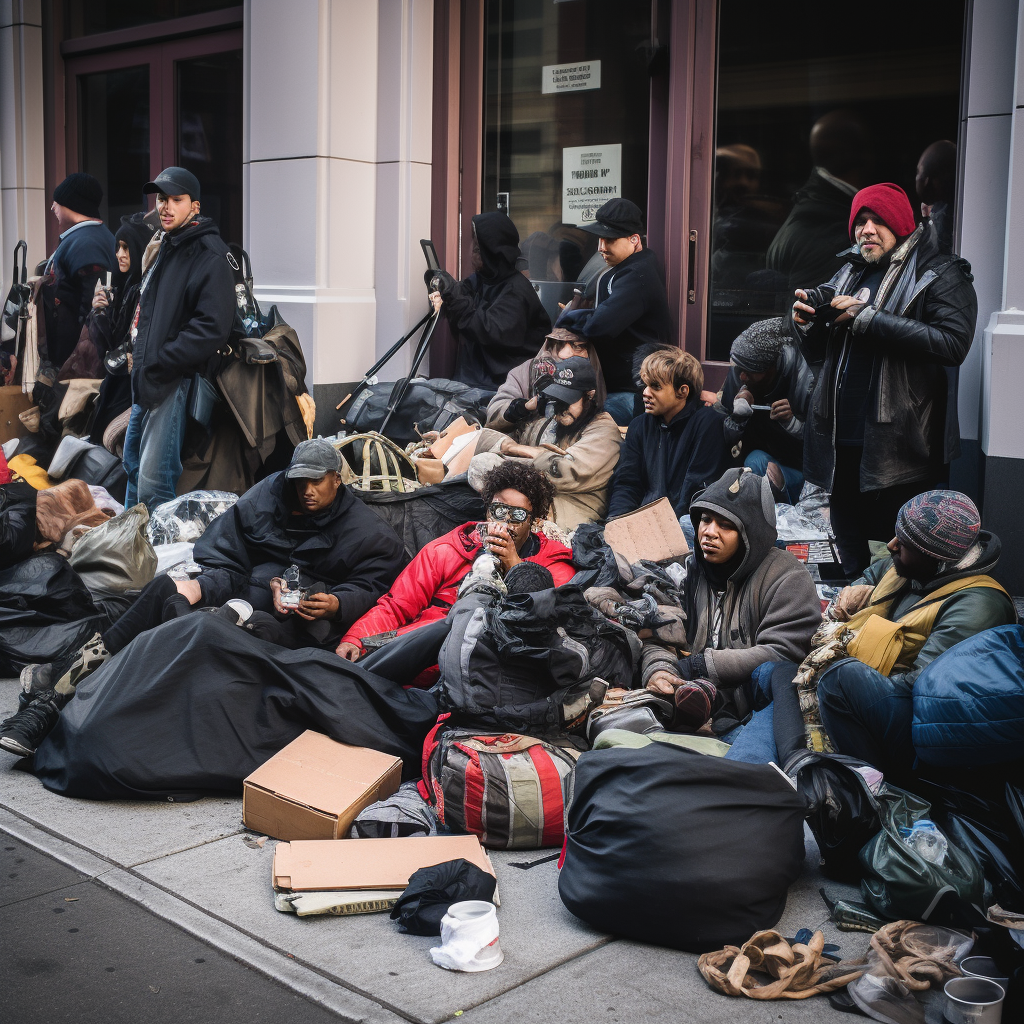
500,513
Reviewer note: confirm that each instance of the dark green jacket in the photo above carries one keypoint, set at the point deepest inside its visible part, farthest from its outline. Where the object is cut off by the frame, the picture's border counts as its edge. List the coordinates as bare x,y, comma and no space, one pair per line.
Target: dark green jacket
962,614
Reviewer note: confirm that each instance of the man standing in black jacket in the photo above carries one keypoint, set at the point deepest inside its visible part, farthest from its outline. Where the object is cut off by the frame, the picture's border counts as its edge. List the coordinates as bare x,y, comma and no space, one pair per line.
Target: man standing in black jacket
674,449
348,557
495,313
891,330
631,315
185,312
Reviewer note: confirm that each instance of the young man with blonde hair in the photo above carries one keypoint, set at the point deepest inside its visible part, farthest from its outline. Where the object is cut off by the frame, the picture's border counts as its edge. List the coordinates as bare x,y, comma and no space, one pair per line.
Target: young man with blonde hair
677,446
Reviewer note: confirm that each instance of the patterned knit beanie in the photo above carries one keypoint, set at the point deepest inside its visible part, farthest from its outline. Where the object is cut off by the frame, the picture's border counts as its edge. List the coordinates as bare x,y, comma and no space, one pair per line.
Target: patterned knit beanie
942,524
757,349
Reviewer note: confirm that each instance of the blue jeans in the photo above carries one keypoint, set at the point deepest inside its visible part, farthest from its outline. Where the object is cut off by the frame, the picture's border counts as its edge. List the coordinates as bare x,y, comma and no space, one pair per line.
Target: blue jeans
688,532
868,715
619,405
152,449
757,462
754,742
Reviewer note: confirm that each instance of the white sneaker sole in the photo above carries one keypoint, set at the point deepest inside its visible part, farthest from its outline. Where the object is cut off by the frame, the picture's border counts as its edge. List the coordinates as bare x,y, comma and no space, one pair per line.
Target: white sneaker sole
14,747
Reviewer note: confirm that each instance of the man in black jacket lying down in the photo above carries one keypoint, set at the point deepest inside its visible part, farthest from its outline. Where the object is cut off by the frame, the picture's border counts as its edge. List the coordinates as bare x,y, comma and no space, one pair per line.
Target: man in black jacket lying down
303,516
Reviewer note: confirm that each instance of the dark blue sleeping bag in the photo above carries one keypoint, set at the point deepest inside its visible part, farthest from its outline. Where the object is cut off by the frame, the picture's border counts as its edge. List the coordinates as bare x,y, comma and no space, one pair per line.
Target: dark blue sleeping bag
969,703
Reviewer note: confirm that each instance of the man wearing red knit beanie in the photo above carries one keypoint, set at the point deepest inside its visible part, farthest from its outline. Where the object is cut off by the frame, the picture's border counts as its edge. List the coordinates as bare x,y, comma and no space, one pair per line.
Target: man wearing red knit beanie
889,332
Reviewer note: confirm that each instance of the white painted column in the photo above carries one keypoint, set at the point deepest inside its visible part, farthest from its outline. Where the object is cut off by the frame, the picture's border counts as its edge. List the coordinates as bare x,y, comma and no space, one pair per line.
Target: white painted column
336,174
23,199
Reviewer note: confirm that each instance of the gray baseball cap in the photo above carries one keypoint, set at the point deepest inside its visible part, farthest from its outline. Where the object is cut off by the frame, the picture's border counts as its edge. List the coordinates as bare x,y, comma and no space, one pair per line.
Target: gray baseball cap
313,459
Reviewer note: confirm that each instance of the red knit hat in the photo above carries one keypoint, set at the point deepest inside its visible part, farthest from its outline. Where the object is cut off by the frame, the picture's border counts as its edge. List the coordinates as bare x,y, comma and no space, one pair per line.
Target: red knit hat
890,202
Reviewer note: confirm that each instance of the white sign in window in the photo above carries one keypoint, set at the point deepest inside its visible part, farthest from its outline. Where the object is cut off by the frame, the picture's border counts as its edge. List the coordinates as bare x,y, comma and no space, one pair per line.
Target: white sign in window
591,175
570,77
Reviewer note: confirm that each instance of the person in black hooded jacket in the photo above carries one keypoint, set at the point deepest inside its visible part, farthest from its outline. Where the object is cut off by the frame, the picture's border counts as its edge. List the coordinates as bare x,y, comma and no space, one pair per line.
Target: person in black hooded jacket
185,313
494,313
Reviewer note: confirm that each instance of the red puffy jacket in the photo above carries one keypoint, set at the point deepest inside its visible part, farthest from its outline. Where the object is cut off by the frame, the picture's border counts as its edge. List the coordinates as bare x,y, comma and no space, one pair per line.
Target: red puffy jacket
428,585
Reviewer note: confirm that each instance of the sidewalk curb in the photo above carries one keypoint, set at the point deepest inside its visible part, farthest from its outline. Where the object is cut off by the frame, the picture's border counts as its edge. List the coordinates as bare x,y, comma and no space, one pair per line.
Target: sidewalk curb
305,981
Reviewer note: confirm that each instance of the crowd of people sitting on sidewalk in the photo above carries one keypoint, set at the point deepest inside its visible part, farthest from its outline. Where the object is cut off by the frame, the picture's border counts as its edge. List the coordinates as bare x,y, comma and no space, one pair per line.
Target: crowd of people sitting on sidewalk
525,620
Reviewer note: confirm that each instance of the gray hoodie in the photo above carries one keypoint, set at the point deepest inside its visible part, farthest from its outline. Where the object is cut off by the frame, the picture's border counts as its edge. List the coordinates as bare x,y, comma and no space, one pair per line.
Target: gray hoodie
770,607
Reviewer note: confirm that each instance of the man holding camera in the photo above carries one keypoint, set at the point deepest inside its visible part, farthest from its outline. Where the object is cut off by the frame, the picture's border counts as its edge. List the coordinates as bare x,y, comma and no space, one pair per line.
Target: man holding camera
890,331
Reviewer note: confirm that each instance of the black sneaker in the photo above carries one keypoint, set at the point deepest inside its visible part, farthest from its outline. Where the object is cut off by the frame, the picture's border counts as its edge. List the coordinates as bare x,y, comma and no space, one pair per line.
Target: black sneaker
23,732
34,680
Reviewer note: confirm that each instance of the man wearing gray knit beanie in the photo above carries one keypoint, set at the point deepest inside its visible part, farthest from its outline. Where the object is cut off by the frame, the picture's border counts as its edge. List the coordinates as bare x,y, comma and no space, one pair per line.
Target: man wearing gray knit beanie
765,399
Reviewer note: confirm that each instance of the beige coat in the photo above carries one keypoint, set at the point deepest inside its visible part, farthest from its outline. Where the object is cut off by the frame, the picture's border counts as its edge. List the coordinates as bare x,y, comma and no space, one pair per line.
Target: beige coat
580,477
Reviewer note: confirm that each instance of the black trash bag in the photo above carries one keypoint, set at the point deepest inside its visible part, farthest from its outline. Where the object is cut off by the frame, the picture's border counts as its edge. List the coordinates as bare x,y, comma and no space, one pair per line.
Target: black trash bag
982,812
593,557
45,610
668,846
842,812
423,515
17,522
427,405
431,891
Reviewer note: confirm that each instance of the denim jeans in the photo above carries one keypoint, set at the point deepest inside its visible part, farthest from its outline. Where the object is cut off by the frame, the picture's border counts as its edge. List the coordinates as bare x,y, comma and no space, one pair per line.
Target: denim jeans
868,715
620,406
688,532
152,449
757,462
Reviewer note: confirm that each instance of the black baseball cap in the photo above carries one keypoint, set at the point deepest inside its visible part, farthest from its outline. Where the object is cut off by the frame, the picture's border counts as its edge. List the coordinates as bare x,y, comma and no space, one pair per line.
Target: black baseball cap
573,377
174,181
313,459
618,218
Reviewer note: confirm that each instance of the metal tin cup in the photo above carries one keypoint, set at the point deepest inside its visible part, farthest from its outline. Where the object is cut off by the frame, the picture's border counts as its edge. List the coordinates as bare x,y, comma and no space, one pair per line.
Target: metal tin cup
984,967
973,1001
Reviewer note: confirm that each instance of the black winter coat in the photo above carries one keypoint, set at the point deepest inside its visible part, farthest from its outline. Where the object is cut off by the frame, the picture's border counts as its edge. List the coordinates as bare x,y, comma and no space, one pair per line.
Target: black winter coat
495,314
187,311
793,381
631,314
673,460
347,547
919,333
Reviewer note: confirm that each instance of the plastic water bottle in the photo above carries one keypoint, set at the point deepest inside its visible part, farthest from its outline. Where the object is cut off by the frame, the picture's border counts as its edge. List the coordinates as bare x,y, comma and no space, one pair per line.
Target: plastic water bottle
926,838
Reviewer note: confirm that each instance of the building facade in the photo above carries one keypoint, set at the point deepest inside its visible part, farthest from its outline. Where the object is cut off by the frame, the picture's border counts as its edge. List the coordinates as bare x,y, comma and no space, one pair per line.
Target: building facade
332,135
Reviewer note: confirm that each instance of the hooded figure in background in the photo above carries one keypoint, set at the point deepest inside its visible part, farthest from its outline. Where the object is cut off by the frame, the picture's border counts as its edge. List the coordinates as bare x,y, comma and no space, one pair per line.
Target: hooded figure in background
494,313
745,601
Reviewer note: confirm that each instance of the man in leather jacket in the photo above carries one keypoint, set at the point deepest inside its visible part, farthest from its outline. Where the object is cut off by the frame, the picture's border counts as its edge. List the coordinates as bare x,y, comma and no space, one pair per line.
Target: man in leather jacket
890,331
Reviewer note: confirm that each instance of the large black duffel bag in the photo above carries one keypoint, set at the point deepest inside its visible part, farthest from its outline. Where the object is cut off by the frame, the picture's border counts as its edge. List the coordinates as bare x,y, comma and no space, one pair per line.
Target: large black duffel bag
676,848
427,405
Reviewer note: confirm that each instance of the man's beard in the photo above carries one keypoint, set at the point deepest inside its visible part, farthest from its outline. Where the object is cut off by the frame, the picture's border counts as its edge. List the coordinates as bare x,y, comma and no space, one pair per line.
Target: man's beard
872,255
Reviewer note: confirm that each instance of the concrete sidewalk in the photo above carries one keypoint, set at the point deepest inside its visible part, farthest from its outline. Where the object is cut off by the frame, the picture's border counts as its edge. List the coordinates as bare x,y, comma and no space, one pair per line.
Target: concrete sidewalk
190,864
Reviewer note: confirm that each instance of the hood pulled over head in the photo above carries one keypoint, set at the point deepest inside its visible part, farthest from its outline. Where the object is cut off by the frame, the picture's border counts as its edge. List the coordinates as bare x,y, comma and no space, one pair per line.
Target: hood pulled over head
746,500
498,240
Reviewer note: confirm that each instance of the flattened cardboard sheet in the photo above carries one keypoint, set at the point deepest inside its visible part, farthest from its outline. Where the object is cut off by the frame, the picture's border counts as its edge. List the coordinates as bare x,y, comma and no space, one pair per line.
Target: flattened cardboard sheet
651,532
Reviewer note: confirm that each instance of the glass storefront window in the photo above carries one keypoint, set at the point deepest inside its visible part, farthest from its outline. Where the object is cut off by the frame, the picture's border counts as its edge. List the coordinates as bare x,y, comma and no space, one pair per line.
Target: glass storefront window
113,133
566,125
209,140
811,106
86,17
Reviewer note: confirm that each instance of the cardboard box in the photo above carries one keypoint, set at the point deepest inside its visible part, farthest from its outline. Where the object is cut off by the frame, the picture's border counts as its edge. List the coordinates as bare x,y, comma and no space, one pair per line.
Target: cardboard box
318,866
652,532
444,440
459,462
315,787
13,401
428,470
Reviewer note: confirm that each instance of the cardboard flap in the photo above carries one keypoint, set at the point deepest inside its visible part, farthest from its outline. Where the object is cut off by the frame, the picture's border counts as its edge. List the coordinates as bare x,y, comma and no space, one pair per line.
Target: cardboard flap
319,772
651,532
315,865
448,435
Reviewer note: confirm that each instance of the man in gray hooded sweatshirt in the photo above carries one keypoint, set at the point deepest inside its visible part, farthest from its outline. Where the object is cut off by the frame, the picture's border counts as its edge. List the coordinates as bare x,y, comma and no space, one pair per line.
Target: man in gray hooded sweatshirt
745,600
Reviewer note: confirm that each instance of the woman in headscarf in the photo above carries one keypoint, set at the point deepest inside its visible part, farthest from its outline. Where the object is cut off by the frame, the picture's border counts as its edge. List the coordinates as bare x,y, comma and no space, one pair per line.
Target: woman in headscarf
494,313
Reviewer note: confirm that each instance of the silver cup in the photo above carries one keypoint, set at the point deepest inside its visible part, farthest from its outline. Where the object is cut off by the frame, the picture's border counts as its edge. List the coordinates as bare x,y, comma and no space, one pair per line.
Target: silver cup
984,967
973,1001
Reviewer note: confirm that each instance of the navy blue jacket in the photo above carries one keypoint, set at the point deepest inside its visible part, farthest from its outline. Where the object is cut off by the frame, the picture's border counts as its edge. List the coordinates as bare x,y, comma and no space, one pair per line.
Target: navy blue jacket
672,460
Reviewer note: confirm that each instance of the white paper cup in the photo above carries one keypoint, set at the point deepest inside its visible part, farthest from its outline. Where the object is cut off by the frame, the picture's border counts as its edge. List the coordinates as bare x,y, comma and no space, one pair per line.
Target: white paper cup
469,938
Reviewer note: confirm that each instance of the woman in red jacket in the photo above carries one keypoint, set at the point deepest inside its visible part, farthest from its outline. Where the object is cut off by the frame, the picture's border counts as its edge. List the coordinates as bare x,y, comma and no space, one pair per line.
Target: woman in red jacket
516,496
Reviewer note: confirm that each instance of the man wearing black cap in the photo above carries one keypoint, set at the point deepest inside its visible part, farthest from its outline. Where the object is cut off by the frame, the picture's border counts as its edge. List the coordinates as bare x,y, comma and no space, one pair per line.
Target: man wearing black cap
185,312
765,400
85,254
303,517
571,440
631,315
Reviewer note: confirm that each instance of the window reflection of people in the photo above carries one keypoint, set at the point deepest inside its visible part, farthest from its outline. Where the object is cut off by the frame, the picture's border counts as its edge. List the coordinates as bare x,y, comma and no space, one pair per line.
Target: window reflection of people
807,246
631,315
494,313
936,188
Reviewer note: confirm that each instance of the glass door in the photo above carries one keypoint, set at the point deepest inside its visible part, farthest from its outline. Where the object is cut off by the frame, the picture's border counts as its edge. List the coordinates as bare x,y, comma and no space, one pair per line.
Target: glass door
134,111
